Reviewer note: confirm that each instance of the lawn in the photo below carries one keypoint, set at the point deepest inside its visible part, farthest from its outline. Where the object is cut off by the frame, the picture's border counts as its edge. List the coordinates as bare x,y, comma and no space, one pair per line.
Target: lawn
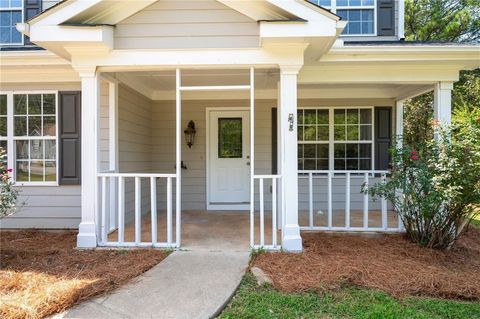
252,301
41,273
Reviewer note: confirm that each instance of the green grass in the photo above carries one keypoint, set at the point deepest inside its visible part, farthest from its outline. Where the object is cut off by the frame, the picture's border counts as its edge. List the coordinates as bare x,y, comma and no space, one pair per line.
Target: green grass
252,301
476,220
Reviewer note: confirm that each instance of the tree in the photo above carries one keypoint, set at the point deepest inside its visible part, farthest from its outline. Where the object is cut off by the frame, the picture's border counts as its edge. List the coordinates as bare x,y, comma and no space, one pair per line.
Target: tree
442,20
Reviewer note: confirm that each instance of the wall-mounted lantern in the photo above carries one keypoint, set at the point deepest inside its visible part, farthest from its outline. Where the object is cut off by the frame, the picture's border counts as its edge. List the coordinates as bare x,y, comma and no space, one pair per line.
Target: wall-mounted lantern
190,133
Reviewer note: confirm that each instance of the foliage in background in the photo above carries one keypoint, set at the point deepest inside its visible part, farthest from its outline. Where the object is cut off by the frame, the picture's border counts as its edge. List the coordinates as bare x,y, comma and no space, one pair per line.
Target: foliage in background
442,20
8,194
439,182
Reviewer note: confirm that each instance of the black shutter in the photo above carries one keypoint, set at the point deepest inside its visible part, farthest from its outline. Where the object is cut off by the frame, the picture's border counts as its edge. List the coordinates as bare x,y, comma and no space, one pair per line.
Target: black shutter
274,141
32,8
69,143
383,137
386,17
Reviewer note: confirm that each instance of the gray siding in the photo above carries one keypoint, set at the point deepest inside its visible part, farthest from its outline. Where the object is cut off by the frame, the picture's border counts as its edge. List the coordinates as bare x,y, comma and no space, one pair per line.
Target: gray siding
187,24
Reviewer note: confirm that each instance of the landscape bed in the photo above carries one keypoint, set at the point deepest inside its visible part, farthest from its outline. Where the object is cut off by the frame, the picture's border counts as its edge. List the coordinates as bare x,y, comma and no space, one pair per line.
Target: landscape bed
389,263
41,273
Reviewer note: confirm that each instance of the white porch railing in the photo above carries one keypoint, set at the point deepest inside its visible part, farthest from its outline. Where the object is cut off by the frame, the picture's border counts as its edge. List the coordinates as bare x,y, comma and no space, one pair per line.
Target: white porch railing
107,210
260,243
348,176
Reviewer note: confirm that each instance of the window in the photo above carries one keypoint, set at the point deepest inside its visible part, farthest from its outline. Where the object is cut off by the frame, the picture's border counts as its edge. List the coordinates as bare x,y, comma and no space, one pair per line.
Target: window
335,139
33,137
11,13
230,138
360,14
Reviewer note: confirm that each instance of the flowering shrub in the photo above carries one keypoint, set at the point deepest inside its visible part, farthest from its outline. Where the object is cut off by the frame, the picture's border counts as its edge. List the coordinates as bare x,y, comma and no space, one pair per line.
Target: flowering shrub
8,193
435,187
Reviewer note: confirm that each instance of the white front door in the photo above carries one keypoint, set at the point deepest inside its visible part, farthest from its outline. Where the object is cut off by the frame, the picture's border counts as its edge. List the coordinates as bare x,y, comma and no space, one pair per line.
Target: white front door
229,160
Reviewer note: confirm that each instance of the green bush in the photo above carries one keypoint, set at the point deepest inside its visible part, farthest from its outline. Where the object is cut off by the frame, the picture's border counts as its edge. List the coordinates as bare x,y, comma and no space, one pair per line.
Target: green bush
435,186
8,194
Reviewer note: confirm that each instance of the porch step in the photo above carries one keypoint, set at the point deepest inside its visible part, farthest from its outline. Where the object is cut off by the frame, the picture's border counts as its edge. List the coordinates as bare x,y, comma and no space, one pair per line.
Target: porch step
187,284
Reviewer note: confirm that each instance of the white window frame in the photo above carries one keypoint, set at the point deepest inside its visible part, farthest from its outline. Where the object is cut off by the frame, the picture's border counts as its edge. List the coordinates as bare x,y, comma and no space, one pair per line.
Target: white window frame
21,9
331,136
11,138
334,9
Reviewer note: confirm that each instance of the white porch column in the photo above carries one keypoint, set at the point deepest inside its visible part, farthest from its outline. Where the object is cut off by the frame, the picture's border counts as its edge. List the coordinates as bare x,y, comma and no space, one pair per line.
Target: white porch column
288,160
87,234
443,102
399,122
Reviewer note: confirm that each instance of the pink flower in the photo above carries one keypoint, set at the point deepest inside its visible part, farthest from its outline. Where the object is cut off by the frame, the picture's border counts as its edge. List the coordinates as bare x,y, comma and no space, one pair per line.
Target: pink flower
9,170
414,157
414,153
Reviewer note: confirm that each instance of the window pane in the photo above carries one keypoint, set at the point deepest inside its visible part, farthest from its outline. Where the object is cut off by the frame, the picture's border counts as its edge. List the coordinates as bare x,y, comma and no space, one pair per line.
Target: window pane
309,151
4,148
20,104
300,134
352,116
35,126
3,126
50,150
322,117
322,164
310,117
20,125
355,2
21,172
354,28
310,164
300,151
230,138
300,117
22,149
352,164
34,104
365,164
322,133
322,151
367,28
352,150
49,126
340,164
49,104
50,171
352,133
310,133
354,15
3,104
339,132
36,149
365,150
366,132
300,164
365,116
339,116
342,3
339,151
36,171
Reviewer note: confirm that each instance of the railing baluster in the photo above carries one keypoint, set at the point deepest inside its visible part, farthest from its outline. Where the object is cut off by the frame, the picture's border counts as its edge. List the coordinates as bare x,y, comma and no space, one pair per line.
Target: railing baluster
274,212
262,214
347,200
310,199
104,226
169,210
138,210
365,203
121,210
153,208
330,201
384,206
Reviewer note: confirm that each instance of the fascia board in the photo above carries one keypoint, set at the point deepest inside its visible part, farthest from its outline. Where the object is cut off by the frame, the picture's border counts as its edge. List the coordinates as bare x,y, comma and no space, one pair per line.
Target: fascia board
63,12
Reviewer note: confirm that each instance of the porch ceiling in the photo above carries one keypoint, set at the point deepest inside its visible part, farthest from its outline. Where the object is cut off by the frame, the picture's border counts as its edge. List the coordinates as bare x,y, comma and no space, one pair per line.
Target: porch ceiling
160,85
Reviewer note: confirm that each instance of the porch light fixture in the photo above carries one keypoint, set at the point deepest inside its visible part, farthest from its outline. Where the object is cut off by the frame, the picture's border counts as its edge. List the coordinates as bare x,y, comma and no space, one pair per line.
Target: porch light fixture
190,133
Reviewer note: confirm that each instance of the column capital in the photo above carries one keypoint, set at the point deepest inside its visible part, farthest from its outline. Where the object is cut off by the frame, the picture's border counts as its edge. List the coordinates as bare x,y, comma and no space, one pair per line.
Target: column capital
444,85
87,71
290,69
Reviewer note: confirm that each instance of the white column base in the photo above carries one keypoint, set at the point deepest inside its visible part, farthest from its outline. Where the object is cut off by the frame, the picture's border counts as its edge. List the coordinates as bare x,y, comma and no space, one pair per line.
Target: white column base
291,239
87,237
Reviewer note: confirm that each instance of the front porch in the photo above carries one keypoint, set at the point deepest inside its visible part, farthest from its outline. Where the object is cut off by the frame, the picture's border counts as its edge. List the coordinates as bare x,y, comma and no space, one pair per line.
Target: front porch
147,172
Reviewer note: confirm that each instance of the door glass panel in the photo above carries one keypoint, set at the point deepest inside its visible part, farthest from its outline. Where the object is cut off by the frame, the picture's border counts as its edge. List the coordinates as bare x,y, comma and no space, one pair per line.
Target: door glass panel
230,138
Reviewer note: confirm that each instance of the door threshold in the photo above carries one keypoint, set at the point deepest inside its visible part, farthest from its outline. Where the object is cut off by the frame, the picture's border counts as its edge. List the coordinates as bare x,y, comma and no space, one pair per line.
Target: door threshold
228,206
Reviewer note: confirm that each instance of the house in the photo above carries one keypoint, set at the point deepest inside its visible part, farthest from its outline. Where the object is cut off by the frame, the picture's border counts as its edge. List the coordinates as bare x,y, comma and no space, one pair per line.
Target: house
120,116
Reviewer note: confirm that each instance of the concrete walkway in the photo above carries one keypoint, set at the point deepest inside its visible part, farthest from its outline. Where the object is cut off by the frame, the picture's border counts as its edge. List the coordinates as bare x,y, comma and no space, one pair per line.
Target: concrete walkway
187,284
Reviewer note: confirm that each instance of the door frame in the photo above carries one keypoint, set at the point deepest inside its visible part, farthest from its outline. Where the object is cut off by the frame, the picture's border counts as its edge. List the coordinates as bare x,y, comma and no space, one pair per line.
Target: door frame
233,207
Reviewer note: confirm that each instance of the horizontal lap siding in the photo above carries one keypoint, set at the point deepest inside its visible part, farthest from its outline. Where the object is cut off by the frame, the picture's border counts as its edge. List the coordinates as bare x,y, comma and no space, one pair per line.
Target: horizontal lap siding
187,24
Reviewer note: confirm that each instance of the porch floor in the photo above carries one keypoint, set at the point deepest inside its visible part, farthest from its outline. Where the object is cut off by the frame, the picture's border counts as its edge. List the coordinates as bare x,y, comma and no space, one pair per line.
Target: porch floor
230,230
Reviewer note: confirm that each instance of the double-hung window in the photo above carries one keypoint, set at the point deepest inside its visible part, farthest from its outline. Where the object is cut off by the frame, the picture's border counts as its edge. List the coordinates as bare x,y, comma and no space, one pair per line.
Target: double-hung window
11,13
360,14
28,133
337,138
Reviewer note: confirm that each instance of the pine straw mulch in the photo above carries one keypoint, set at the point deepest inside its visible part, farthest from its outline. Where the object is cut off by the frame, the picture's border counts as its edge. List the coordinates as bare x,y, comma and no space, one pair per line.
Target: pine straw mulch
389,263
41,273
